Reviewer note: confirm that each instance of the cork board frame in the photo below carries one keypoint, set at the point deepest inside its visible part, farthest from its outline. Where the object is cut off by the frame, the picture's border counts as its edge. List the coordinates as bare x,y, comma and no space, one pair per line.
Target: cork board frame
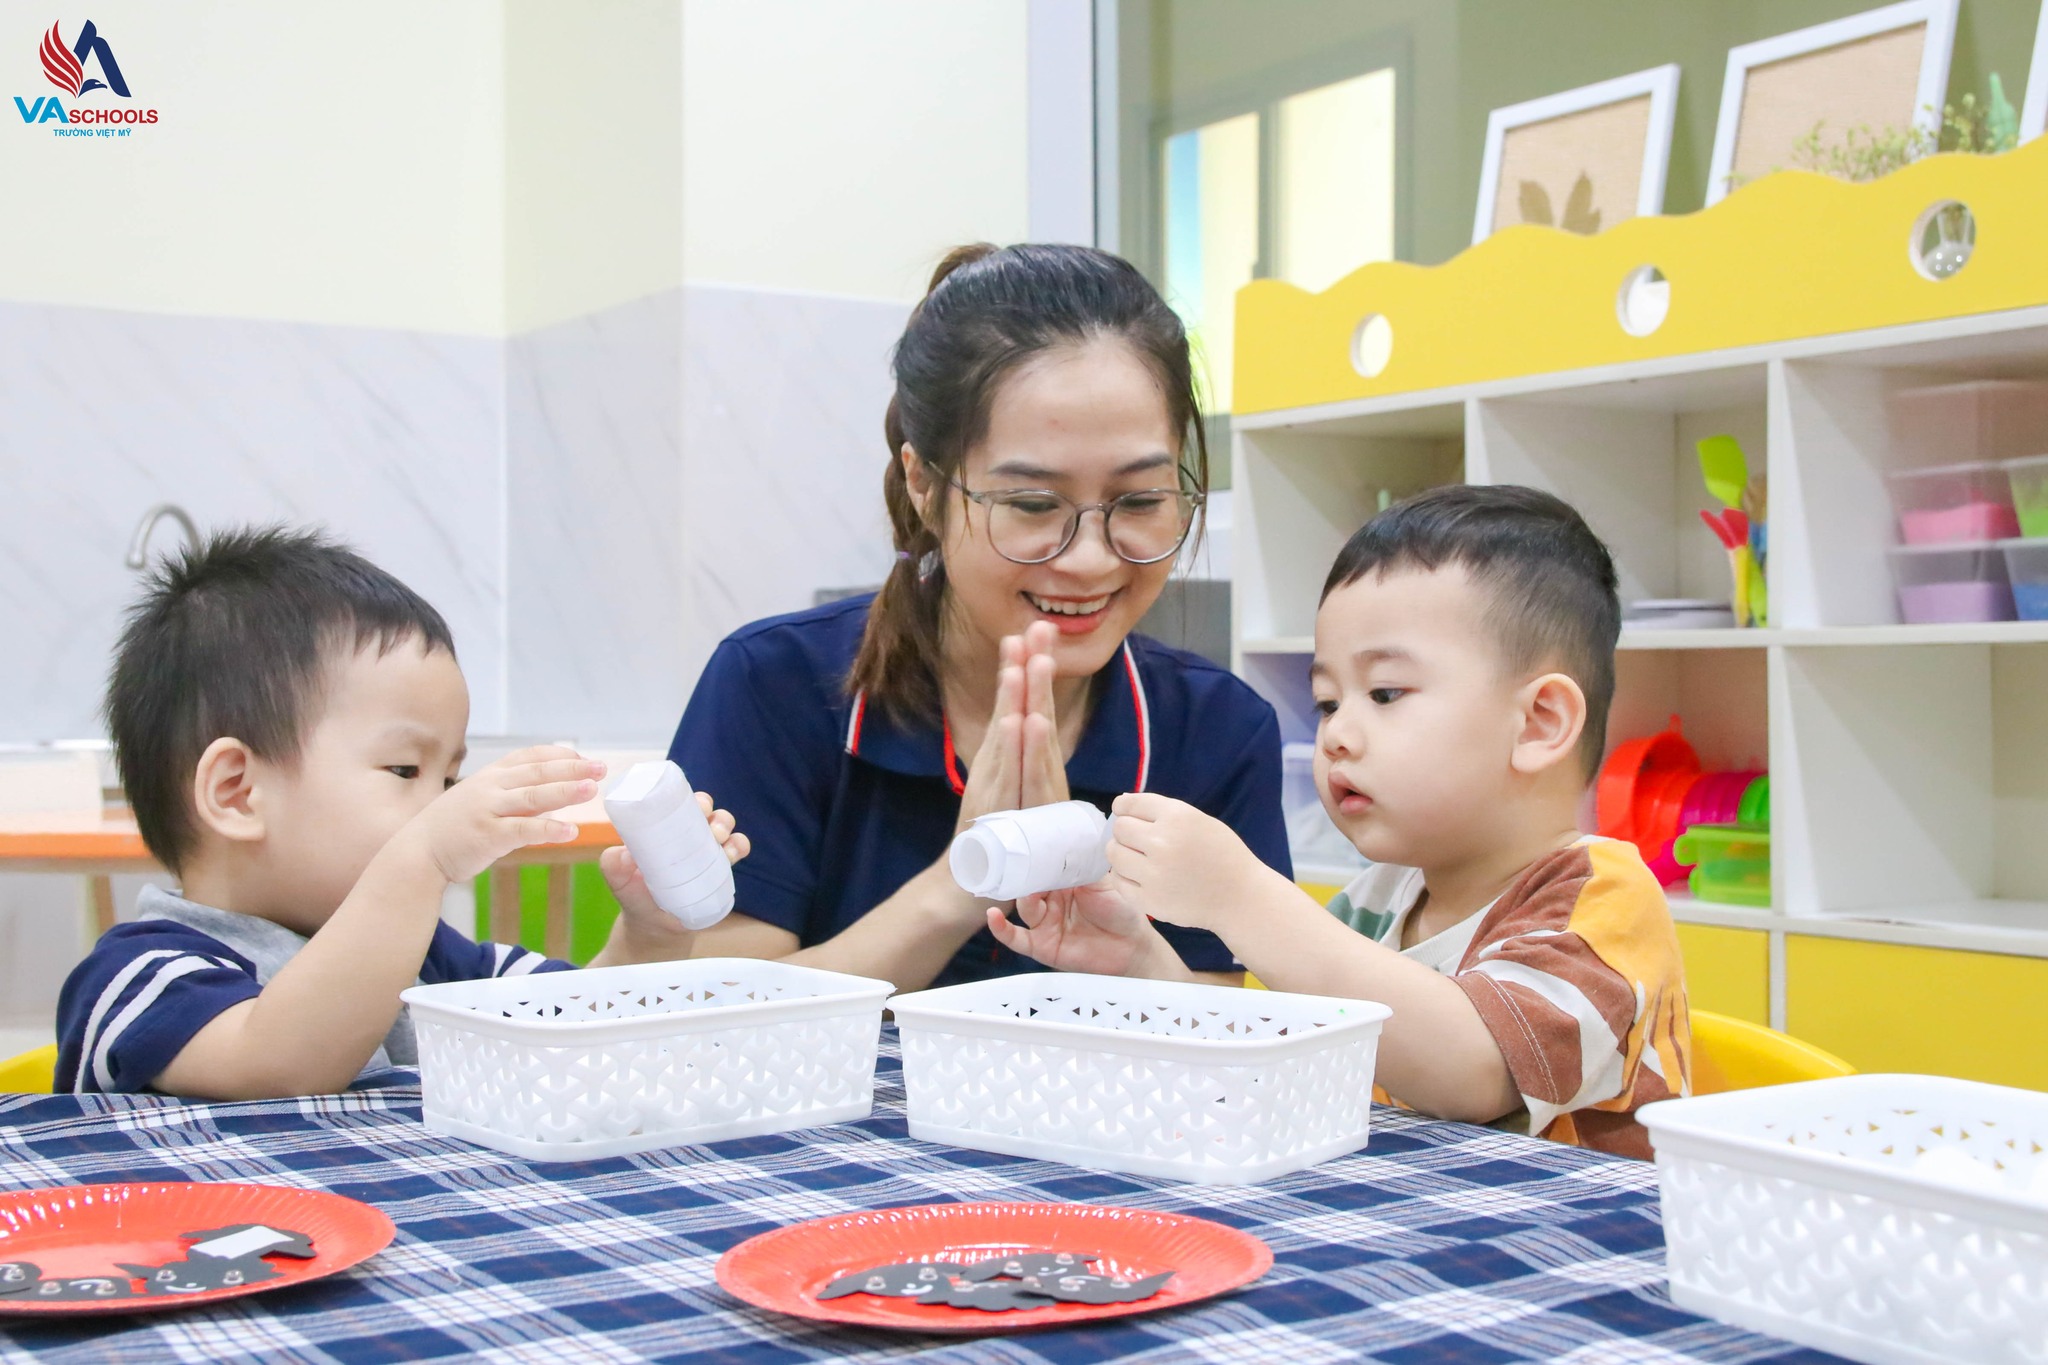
2034,108
1616,132
1887,65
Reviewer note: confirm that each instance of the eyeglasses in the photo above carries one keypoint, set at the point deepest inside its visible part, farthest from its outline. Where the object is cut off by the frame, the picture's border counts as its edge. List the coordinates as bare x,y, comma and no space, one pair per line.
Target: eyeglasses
1035,525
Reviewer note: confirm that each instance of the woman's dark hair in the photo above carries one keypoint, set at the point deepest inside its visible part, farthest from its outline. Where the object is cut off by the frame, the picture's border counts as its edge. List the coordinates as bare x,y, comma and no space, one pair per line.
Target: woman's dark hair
987,311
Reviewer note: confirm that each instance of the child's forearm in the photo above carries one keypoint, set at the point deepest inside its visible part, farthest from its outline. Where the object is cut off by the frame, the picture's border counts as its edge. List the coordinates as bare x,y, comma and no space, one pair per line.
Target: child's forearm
1436,1054
319,1020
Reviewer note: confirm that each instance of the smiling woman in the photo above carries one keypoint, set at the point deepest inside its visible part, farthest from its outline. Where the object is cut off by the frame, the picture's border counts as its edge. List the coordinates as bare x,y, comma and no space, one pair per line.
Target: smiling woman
1046,465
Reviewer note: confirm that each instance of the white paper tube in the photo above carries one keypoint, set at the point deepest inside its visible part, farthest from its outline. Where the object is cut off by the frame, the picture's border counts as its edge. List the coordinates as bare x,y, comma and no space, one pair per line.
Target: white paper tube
1016,853
664,828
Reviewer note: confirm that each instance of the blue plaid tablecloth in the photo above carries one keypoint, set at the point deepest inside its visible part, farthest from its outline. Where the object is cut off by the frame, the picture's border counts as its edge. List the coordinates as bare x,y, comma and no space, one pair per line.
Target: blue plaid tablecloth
1443,1243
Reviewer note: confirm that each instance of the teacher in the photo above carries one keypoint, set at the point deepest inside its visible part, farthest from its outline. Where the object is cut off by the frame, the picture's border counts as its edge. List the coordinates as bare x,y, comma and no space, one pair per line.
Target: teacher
1046,464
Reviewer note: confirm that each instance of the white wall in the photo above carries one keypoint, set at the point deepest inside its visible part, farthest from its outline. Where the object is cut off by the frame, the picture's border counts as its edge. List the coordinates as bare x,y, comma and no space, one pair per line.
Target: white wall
323,163
841,148
593,150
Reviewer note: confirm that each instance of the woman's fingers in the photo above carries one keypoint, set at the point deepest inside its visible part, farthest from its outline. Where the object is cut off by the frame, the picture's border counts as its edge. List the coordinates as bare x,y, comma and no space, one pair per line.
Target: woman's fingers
1038,675
1011,936
738,847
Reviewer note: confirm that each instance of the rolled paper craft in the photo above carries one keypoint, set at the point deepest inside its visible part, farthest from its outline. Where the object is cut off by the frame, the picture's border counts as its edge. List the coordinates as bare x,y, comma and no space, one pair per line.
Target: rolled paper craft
664,828
1016,853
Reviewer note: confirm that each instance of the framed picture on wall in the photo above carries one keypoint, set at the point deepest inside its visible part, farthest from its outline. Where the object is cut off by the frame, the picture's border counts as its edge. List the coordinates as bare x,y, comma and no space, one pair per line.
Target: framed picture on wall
2034,109
1884,68
1582,160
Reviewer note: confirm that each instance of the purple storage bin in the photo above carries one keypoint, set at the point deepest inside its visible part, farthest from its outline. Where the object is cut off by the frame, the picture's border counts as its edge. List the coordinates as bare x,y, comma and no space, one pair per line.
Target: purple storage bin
1951,584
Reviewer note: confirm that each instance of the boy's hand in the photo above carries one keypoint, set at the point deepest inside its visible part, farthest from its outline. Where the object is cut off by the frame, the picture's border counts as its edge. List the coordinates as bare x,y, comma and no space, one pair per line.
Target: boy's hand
503,808
1080,929
1174,863
623,875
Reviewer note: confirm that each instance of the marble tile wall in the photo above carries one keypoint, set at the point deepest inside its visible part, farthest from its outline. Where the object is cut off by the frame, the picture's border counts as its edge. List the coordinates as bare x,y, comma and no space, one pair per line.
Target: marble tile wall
594,527
391,439
783,395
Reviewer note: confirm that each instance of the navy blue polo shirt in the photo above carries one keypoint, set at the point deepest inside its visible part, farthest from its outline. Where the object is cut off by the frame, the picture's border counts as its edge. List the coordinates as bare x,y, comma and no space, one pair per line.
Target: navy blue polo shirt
843,804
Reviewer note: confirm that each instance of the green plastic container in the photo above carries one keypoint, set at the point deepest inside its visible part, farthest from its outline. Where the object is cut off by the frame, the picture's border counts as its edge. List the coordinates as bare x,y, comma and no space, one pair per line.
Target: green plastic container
1756,803
1732,863
2029,478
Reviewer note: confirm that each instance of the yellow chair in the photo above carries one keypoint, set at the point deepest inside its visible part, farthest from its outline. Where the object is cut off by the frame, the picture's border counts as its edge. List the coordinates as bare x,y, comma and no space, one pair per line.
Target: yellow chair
1734,1054
30,1073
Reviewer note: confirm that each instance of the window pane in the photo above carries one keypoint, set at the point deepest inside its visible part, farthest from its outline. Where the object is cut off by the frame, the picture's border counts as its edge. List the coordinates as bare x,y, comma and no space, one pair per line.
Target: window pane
1336,179
1212,236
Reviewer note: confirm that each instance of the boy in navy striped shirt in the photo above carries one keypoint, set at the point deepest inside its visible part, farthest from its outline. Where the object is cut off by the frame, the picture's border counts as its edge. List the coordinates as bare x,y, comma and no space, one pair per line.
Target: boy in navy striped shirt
288,720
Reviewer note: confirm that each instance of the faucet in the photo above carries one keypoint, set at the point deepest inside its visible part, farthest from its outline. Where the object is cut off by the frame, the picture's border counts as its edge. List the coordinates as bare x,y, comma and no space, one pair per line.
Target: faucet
138,548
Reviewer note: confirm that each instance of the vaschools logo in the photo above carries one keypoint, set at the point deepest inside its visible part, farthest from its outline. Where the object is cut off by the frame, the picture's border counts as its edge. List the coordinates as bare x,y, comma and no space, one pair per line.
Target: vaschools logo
69,67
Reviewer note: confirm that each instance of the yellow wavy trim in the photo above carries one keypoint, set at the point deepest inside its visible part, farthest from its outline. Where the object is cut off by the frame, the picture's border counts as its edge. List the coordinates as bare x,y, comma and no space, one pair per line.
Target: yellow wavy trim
1790,255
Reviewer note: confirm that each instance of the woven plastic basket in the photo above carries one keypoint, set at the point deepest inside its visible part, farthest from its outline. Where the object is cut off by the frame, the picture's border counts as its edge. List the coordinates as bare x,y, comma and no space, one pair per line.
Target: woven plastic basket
1207,1084
1809,1211
571,1066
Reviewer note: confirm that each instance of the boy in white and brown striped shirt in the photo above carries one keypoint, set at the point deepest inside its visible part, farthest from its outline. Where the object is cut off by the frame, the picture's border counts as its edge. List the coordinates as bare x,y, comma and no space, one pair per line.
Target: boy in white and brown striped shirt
1463,670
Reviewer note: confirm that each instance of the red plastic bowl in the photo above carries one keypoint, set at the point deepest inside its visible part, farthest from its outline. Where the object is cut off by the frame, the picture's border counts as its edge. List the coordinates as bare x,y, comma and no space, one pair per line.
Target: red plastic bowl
1634,781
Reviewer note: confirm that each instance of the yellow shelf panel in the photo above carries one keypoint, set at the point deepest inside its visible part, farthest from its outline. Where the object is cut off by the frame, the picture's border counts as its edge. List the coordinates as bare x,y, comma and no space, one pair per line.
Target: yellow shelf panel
1727,971
1884,1007
1788,256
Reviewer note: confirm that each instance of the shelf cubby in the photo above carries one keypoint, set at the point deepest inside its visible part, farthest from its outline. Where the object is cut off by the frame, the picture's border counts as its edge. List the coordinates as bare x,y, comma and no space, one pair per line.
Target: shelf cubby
1916,786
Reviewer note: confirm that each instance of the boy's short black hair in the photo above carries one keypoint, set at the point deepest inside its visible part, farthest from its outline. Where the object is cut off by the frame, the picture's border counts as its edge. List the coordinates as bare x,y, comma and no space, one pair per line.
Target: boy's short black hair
1551,581
233,639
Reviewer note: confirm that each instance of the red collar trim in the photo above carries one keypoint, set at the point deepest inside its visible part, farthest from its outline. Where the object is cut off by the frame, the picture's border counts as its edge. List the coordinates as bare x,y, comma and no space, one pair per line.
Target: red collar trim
956,774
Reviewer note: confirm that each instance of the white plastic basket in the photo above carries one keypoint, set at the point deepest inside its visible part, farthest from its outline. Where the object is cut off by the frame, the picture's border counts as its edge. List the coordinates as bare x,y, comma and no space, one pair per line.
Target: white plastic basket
572,1066
1809,1212
1208,1084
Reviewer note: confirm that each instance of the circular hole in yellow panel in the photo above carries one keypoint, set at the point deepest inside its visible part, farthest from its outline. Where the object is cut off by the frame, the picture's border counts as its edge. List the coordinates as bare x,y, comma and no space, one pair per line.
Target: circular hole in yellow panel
1372,345
1943,237
1644,301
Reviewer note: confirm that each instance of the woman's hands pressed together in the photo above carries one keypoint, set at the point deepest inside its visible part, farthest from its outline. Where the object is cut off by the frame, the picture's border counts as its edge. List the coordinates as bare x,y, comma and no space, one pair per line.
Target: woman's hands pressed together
1020,762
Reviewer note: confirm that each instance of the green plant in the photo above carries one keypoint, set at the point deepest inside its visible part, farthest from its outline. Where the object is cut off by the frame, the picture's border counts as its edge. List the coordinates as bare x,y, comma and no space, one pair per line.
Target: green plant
1867,153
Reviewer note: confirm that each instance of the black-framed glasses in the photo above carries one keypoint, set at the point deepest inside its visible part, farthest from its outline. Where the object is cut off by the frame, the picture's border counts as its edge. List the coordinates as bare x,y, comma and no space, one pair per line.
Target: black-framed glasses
1034,525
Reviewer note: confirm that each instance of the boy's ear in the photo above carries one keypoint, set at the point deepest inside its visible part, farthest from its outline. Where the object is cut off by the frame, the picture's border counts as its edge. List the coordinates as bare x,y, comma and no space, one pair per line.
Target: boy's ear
1553,717
224,791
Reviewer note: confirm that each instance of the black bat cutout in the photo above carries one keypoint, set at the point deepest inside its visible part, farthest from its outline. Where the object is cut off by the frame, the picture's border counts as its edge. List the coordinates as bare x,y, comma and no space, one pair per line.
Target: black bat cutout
1030,1279
990,1296
1040,1263
82,1287
1097,1289
18,1277
196,1275
280,1242
910,1281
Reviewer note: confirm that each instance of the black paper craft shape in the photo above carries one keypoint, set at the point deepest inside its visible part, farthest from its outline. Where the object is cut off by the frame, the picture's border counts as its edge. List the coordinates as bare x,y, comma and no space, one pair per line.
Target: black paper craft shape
1039,1263
1030,1279
74,1288
221,1258
909,1281
1095,1288
249,1239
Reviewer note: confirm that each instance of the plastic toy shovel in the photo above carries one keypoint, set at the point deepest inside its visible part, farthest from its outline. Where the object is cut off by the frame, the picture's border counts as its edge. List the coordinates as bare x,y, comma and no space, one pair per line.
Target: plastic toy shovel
1724,468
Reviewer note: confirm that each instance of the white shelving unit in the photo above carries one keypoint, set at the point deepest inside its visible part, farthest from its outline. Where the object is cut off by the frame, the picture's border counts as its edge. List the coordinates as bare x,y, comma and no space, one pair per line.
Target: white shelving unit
1909,764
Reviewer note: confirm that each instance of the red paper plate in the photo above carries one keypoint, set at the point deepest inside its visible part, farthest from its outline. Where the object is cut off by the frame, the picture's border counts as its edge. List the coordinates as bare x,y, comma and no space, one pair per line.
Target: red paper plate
87,1230
784,1269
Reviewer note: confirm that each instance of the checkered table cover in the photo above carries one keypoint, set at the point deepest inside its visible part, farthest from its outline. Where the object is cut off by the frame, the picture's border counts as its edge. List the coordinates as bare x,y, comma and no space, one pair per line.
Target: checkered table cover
1443,1243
